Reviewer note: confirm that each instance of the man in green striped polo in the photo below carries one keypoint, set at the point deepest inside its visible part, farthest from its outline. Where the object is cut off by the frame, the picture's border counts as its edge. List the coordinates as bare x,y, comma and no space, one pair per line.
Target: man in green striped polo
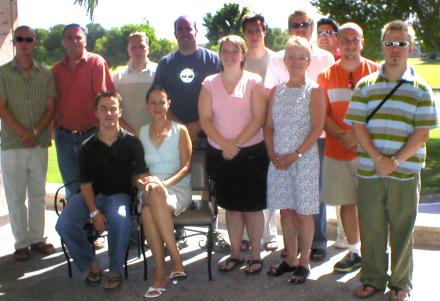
391,154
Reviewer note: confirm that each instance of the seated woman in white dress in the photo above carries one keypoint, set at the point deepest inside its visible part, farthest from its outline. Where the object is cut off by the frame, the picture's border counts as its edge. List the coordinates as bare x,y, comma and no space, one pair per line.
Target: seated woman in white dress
167,148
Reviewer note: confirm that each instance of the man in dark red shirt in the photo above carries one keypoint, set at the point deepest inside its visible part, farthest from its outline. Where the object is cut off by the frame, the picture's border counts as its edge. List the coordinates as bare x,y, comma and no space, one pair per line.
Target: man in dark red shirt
79,77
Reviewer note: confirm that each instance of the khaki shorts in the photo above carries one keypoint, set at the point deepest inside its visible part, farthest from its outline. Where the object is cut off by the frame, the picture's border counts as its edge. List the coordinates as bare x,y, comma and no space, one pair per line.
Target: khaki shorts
339,182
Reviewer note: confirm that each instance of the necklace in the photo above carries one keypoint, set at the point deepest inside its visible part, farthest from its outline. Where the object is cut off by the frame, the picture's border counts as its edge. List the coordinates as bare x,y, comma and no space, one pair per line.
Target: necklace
159,135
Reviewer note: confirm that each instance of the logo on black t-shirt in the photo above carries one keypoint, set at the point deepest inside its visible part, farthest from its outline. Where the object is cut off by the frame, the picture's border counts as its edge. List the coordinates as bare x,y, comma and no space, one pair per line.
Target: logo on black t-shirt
187,75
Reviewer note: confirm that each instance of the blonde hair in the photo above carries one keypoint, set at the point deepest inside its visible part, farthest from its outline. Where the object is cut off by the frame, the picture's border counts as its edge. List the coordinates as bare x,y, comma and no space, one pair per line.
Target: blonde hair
398,25
138,34
297,41
237,41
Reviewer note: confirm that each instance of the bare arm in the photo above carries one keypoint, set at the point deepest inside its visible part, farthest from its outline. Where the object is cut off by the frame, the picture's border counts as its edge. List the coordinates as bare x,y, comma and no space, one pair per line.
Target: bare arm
99,221
346,136
10,121
185,152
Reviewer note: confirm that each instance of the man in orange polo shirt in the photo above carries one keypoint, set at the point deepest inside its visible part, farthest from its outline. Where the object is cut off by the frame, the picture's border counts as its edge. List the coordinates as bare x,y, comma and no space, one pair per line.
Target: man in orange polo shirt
79,77
340,159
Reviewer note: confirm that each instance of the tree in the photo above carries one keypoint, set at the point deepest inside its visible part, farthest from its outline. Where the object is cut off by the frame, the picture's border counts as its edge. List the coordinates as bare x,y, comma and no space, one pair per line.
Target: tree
113,45
226,20
49,44
90,6
94,32
373,15
276,38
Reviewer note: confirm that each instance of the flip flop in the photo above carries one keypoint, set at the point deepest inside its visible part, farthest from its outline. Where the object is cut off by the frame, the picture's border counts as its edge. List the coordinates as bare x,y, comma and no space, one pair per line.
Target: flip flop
365,291
223,266
301,273
250,263
93,278
154,292
398,294
281,269
176,276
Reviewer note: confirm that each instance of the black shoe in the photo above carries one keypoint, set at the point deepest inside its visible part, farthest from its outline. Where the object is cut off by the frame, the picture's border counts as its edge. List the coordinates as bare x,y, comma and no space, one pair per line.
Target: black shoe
318,254
351,262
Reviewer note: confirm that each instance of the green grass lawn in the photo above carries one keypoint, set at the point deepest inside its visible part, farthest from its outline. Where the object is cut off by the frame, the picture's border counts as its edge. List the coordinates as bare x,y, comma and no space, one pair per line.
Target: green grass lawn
53,173
428,70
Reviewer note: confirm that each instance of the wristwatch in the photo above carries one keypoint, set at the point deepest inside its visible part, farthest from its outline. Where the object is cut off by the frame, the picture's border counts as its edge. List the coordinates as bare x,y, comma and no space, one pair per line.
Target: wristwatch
395,160
94,213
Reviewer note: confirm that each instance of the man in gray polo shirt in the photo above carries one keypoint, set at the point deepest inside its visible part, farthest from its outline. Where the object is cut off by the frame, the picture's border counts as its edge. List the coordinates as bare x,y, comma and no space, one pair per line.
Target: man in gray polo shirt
27,105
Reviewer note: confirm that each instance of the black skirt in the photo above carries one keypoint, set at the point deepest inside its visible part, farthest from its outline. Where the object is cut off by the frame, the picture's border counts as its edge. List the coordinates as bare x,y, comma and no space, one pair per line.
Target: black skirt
240,183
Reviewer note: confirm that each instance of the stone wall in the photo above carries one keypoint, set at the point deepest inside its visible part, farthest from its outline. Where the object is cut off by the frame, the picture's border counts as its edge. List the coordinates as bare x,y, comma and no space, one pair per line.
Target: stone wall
8,20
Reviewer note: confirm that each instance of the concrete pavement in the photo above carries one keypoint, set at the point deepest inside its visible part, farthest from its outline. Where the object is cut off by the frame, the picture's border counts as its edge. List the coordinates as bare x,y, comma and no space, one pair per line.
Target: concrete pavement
45,278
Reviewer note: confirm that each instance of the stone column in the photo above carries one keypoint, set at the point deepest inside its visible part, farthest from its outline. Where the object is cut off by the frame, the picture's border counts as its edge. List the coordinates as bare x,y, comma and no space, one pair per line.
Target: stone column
8,21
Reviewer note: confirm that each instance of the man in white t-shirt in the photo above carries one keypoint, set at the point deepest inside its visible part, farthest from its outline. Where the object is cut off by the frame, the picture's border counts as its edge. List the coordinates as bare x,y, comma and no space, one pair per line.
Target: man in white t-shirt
301,24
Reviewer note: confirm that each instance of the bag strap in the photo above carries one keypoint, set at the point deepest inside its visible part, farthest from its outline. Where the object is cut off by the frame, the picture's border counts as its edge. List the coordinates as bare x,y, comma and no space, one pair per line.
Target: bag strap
385,99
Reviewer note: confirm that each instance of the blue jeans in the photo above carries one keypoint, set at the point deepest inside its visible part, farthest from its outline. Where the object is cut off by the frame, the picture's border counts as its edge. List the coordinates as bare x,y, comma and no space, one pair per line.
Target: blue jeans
320,237
116,209
68,146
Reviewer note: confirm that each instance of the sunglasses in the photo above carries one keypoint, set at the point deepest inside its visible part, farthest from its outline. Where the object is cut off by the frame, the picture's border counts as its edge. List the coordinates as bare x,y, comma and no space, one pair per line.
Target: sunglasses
326,33
300,25
24,39
402,44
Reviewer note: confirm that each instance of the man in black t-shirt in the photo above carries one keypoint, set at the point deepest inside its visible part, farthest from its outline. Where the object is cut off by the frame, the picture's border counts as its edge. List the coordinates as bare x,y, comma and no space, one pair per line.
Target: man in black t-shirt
109,162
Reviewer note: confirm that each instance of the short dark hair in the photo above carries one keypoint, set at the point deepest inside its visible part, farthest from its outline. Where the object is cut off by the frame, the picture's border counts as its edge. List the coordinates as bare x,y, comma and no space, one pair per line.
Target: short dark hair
157,88
101,95
253,18
22,27
328,21
74,25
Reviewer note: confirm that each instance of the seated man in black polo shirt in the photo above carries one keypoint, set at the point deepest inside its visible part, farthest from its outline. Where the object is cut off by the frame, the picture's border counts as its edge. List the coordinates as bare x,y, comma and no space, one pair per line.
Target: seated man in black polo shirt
109,162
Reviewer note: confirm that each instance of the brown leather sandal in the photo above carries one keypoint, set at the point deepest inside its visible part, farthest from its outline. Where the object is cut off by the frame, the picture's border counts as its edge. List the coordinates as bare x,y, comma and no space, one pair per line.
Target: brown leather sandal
22,254
43,248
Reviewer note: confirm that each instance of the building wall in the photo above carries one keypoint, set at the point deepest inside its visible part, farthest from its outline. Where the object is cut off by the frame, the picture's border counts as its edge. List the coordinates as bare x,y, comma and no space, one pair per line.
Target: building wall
8,21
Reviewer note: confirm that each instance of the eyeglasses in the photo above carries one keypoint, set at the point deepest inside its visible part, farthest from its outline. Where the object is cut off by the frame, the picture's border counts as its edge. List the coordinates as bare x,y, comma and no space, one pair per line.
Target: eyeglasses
300,25
24,39
402,44
326,33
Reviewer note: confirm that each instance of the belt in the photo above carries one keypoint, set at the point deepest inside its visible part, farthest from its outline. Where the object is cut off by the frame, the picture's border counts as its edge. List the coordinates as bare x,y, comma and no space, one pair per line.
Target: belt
77,132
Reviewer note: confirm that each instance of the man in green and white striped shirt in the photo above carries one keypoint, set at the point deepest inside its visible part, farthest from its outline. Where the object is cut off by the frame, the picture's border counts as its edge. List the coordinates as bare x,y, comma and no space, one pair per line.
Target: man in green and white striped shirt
391,154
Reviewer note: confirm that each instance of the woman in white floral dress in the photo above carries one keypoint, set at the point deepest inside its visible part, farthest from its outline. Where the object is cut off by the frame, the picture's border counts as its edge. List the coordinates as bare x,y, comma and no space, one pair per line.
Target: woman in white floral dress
295,121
